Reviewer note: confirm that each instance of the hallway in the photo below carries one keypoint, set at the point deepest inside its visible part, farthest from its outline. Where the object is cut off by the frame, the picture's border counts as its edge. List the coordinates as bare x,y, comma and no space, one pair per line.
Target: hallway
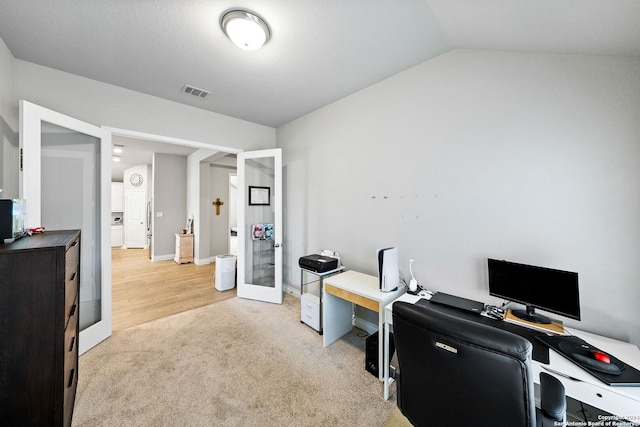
143,290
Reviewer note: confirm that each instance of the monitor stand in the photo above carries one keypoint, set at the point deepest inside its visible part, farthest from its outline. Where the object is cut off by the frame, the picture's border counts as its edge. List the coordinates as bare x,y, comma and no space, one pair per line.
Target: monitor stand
530,315
553,327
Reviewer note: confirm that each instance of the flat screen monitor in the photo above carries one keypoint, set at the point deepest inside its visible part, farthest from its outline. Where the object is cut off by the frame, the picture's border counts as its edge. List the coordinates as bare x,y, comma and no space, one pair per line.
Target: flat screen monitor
555,291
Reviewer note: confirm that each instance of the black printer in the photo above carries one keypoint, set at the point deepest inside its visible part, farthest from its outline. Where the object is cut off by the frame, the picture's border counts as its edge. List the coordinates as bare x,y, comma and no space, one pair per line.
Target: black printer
318,263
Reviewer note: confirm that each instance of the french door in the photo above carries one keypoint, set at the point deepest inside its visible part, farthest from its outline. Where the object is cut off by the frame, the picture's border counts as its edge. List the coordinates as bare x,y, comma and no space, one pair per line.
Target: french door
65,175
260,225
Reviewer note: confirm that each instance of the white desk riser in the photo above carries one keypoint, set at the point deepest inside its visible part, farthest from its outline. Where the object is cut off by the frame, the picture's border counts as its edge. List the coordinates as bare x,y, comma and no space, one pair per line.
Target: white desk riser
580,385
340,292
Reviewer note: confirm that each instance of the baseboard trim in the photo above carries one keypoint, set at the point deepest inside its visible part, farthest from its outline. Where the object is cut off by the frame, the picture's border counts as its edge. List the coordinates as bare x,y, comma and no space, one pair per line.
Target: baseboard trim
291,290
365,325
155,258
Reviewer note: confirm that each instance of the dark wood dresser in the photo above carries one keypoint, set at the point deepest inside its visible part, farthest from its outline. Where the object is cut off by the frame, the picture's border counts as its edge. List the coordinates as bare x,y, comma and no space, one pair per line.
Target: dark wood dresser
39,301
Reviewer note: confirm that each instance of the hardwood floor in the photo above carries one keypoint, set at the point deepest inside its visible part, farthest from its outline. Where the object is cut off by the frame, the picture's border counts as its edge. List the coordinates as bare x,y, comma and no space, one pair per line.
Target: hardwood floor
143,290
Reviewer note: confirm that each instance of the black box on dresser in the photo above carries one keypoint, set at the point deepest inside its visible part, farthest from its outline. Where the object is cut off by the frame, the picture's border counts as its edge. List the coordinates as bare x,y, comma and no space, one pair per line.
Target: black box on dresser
39,302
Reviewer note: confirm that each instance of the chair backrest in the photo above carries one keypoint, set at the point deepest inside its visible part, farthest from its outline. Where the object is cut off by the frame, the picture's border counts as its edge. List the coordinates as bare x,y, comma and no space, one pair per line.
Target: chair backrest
454,372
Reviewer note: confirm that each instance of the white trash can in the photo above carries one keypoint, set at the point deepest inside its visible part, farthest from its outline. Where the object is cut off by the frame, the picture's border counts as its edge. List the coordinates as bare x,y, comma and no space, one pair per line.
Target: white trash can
225,277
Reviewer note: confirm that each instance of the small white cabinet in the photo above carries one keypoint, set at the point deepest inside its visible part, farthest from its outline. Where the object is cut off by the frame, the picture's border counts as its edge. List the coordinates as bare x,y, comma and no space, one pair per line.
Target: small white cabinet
184,248
117,235
310,310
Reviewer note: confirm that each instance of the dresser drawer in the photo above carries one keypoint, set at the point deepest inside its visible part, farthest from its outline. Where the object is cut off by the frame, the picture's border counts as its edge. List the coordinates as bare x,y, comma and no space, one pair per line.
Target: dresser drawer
72,280
187,251
72,257
71,384
71,337
70,366
71,304
310,310
70,377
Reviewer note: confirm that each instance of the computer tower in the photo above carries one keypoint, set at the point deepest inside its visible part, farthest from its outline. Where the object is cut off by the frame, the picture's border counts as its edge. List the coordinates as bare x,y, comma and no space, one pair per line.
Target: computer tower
371,353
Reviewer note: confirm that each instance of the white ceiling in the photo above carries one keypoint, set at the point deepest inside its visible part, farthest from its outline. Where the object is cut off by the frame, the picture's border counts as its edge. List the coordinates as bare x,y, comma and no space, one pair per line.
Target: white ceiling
590,27
320,50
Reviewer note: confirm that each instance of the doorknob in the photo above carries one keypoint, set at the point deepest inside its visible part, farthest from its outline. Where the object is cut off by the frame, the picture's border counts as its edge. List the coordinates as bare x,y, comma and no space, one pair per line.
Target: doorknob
277,245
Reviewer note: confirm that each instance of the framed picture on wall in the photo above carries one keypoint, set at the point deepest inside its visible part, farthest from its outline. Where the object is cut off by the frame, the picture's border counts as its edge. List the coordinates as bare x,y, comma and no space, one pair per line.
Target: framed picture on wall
259,196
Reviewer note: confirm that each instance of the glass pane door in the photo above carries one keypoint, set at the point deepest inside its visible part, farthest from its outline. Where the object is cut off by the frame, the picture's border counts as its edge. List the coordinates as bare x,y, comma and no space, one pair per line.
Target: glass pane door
260,225
65,180
70,200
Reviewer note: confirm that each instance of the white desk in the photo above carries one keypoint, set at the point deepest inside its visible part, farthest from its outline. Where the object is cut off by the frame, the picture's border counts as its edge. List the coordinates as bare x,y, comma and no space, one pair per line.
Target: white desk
343,289
578,383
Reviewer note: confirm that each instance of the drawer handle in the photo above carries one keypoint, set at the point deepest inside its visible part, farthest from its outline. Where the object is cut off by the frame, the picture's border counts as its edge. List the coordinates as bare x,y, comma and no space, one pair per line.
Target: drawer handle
73,343
73,276
73,310
71,375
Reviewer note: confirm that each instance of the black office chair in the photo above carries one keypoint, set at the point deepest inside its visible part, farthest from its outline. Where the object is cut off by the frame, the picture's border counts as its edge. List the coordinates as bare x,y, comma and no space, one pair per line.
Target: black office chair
455,372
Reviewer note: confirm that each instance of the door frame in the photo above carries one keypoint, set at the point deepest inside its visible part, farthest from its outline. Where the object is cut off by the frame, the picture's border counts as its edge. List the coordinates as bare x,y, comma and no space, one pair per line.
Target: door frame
174,141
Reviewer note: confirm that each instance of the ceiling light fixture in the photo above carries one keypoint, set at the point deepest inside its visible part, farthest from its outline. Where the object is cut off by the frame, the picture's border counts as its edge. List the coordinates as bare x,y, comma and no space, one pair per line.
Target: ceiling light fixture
118,149
246,30
116,159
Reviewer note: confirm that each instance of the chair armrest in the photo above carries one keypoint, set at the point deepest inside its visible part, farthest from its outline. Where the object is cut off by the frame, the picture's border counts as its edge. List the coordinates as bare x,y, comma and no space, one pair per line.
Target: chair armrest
552,399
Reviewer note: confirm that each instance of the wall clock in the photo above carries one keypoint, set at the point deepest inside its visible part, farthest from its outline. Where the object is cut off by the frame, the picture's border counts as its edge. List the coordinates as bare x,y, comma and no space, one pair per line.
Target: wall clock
136,179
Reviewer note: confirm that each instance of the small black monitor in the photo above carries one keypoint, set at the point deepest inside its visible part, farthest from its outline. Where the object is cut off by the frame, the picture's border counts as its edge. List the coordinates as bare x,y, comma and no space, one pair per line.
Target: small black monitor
555,291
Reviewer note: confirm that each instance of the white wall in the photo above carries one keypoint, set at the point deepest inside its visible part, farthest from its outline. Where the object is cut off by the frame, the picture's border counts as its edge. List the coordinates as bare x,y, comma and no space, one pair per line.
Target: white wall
198,185
474,154
220,227
8,111
170,199
8,126
103,104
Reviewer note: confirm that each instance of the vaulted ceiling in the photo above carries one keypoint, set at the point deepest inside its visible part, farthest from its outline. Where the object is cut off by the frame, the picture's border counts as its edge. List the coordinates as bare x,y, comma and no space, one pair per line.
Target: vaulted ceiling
320,51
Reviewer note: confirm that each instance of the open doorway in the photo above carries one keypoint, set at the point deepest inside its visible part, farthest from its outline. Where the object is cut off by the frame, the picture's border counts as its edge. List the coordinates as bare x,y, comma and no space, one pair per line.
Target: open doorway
143,288
223,214
132,189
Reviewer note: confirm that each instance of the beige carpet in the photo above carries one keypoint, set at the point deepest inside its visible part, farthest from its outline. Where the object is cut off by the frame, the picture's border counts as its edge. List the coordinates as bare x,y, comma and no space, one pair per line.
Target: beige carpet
234,363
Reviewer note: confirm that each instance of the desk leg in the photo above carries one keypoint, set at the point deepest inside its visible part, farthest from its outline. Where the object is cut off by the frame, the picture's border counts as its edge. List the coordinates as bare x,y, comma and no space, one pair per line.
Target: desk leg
386,379
336,318
321,299
382,343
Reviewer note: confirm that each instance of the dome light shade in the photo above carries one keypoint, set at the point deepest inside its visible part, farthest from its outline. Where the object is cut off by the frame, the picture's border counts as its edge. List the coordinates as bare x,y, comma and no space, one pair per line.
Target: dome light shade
245,29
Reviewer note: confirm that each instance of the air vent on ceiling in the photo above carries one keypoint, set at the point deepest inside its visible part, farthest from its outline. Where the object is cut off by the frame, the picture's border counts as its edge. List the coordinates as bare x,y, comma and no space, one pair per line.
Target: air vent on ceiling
191,90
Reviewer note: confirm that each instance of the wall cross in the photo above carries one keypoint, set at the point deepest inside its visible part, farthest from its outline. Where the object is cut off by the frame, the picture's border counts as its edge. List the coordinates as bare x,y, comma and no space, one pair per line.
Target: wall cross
217,204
